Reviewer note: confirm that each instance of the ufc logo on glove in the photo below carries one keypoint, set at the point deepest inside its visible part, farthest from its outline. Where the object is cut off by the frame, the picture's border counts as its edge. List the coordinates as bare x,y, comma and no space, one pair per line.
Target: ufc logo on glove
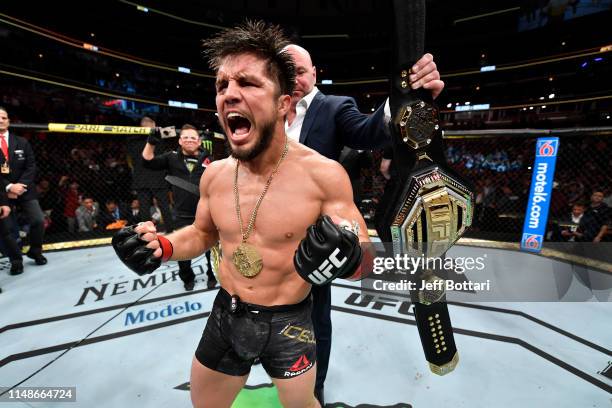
327,252
324,271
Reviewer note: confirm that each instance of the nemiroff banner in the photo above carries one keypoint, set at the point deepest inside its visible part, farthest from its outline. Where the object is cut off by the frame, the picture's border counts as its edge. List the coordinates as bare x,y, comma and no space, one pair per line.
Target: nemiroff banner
540,193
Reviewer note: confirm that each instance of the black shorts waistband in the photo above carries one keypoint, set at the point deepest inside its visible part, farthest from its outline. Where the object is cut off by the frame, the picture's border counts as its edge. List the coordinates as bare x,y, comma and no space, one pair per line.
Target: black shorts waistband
235,305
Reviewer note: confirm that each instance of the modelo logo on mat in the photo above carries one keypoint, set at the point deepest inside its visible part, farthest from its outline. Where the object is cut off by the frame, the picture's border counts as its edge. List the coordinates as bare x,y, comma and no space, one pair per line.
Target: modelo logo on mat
536,215
143,315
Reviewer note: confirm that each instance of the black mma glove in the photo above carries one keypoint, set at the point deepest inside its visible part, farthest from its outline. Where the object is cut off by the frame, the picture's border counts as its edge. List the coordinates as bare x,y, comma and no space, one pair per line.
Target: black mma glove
132,251
327,252
154,137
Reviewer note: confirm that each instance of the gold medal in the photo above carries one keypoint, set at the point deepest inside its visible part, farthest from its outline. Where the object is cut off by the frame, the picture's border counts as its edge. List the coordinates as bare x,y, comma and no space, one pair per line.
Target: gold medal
247,260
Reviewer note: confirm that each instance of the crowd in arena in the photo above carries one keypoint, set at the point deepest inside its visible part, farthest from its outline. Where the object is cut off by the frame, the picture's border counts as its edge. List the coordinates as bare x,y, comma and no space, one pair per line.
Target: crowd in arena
89,177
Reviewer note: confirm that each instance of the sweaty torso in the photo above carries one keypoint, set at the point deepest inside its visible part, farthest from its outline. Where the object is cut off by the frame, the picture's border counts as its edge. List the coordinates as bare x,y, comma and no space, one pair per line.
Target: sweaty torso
292,203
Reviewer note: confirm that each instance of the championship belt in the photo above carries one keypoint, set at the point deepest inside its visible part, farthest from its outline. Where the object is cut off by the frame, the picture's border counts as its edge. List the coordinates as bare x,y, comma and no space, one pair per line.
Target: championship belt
431,206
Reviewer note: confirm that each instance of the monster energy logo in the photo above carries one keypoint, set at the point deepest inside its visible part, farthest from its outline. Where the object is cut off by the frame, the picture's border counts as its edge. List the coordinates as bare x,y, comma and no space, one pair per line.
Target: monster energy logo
207,144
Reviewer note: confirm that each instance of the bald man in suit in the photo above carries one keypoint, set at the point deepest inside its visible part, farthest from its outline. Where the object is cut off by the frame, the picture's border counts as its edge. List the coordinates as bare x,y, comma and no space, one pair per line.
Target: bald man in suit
327,123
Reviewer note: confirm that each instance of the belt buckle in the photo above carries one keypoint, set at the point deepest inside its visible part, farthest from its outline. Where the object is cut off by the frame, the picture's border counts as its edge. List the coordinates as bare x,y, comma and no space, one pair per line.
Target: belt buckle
238,307
235,306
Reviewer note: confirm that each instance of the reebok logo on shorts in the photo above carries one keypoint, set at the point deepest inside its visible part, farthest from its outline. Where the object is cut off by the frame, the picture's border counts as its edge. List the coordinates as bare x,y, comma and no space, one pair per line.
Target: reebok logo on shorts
300,366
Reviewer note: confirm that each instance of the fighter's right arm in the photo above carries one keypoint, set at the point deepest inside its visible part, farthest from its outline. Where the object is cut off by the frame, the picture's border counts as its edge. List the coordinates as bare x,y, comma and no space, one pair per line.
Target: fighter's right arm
142,250
194,239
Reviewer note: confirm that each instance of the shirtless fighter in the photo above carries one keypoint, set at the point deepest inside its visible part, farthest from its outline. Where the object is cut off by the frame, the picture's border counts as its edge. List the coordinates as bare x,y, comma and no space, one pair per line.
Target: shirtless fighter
271,205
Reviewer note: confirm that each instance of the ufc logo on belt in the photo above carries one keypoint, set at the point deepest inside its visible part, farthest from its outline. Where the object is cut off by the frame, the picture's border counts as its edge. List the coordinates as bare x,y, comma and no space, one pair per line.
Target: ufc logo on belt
323,272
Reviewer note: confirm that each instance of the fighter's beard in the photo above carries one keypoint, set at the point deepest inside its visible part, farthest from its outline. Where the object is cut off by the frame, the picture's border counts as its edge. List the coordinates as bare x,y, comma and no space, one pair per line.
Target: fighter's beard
267,131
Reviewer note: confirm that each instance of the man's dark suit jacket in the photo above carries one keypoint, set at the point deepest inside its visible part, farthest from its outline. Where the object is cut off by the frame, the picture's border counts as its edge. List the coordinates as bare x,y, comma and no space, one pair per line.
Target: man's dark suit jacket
22,166
332,122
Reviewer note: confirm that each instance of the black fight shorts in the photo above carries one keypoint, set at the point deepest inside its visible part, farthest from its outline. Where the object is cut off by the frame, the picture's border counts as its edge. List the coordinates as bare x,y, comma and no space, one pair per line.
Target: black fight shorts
238,333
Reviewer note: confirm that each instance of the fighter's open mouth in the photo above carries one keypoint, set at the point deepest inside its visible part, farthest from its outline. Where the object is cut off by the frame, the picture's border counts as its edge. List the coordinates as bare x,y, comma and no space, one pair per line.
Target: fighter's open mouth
238,124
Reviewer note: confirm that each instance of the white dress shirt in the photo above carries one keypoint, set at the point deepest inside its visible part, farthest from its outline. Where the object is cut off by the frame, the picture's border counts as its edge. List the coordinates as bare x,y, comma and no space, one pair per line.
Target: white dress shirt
293,130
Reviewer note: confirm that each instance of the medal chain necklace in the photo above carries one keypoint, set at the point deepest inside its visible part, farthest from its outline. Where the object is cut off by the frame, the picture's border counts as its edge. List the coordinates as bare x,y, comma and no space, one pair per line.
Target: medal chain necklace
242,263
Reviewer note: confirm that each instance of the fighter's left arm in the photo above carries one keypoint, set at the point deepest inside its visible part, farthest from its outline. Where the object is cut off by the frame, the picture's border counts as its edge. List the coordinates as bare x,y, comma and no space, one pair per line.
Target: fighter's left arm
343,212
337,245
338,201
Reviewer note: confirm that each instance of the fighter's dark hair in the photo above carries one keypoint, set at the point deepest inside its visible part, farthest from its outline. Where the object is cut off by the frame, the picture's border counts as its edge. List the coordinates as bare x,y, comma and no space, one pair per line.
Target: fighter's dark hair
266,41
